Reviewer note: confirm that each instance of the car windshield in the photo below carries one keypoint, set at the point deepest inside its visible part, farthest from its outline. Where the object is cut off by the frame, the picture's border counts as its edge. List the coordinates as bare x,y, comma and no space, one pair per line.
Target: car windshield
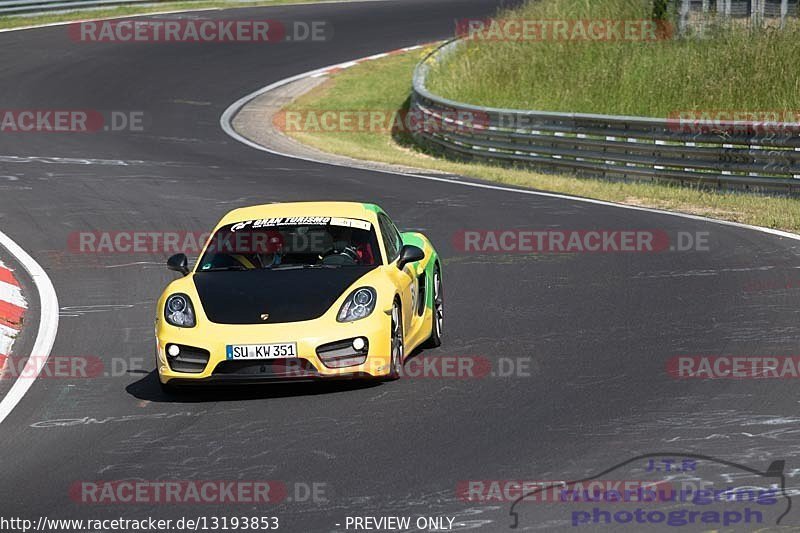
292,243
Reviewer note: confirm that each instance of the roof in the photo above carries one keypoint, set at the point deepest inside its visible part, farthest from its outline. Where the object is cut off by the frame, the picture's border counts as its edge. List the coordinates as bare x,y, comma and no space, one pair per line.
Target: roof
302,209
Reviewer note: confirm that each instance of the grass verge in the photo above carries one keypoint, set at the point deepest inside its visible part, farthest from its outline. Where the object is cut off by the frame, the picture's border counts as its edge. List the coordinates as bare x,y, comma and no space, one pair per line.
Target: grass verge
384,84
22,21
726,69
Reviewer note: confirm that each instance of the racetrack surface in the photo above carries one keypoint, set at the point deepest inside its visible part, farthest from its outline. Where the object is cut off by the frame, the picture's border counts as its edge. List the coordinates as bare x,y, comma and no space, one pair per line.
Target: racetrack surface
598,328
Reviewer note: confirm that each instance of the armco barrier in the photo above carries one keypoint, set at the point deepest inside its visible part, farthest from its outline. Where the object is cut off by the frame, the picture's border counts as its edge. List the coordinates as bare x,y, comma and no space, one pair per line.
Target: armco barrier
15,7
613,147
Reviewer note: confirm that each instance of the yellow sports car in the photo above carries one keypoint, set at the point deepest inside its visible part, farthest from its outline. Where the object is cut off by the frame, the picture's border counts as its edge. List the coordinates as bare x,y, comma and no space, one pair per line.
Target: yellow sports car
299,292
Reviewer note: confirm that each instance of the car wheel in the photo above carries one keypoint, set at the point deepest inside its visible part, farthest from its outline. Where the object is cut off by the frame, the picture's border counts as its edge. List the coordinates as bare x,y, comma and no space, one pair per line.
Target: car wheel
437,324
397,343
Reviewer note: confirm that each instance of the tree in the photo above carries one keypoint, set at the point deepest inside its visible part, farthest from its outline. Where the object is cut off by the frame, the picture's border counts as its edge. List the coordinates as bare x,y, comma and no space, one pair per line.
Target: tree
660,9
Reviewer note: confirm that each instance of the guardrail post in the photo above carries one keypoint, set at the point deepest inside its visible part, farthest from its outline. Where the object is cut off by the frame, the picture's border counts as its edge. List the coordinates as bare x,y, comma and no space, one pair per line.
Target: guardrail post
784,12
757,13
683,149
683,18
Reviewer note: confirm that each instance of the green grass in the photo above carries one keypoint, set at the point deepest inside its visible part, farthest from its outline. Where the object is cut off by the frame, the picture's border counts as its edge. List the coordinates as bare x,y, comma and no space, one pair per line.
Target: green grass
729,69
21,21
385,84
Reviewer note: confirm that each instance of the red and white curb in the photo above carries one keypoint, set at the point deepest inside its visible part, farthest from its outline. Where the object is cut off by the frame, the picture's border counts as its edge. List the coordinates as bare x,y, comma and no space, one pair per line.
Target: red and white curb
342,66
9,310
12,309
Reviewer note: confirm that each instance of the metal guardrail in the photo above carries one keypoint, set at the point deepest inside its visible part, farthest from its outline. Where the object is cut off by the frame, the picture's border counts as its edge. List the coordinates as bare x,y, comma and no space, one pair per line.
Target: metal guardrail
612,147
759,12
19,7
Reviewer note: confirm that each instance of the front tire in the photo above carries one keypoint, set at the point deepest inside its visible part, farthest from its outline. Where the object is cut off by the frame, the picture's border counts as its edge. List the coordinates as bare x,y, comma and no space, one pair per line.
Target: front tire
437,320
396,343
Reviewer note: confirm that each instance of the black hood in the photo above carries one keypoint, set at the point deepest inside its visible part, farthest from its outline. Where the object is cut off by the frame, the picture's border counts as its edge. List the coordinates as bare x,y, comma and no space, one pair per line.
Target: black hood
241,297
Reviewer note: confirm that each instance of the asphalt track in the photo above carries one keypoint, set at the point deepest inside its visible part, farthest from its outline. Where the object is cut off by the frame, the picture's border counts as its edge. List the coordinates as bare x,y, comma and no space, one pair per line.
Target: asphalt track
597,328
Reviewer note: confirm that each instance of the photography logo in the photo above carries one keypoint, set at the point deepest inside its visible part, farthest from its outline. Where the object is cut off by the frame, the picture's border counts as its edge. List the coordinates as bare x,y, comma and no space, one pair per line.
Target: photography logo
671,490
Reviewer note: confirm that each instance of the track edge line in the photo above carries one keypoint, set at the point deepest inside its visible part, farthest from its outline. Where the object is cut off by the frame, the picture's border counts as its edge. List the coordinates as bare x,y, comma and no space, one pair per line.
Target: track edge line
48,326
226,123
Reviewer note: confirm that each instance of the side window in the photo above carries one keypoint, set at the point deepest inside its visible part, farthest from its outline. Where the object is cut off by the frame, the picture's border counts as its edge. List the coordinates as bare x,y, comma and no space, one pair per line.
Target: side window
391,237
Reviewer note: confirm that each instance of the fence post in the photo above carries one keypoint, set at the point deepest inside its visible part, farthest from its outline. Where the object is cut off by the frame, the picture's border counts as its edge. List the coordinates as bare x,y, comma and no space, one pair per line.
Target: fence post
757,13
784,12
684,15
723,8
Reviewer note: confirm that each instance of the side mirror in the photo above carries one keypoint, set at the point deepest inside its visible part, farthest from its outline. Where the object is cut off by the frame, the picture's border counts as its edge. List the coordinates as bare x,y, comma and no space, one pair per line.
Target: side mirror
409,254
178,263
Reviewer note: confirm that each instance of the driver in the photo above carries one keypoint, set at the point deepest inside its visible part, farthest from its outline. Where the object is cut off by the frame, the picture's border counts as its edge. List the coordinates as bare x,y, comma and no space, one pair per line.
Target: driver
343,251
350,247
254,248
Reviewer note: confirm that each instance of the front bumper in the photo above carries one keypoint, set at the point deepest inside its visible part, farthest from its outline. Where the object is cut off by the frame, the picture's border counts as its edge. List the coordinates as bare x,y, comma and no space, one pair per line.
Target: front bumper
223,380
308,366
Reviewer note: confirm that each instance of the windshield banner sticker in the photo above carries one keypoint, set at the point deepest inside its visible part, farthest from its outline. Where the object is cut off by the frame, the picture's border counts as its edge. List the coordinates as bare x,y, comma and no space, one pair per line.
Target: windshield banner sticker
302,221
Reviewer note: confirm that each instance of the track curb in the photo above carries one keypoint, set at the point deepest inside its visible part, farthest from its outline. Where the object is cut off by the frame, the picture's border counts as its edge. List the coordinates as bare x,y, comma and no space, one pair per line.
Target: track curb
13,306
48,321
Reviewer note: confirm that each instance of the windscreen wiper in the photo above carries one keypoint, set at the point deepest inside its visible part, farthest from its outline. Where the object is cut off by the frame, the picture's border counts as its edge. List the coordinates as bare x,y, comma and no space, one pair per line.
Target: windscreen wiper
301,267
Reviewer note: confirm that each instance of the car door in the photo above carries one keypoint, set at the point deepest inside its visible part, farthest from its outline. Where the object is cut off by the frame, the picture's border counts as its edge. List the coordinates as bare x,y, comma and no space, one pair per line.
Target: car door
404,279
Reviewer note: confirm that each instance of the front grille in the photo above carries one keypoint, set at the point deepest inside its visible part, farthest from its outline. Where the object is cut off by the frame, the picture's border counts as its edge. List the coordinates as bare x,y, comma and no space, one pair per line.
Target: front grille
191,360
341,354
284,368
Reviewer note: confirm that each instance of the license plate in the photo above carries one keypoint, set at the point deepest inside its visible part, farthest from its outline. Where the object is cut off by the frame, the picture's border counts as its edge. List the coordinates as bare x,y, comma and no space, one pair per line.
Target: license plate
287,350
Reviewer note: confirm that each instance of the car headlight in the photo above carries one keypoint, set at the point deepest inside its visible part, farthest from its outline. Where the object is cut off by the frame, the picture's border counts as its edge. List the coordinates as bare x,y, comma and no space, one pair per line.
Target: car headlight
179,311
359,304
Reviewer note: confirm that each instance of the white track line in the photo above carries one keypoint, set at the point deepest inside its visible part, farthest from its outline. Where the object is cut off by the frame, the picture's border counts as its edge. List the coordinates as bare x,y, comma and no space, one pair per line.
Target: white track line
226,123
48,301
11,293
48,326
7,336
